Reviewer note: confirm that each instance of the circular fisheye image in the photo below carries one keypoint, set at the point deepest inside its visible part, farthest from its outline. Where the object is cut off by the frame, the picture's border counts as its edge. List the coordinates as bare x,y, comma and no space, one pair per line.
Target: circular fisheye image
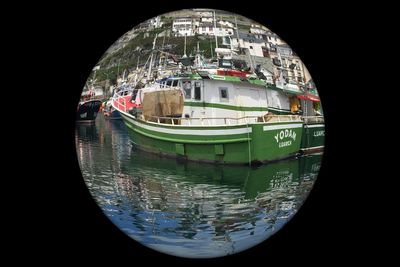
200,133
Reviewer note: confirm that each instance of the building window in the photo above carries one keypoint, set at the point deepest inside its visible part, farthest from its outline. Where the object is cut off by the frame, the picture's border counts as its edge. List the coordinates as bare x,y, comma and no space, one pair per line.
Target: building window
276,62
223,94
197,91
251,47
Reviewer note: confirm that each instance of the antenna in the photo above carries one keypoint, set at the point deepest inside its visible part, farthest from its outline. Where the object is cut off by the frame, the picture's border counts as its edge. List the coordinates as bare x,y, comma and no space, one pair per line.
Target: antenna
184,48
119,62
198,57
162,49
215,28
212,54
280,59
237,33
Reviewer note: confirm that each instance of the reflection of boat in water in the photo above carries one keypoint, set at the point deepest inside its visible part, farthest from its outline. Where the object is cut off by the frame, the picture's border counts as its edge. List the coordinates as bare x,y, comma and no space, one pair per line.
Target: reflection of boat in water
147,173
86,131
202,209
229,206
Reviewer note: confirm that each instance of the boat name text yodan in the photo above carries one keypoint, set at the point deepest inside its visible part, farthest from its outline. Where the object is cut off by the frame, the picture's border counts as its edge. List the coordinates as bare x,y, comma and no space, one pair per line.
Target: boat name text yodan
285,134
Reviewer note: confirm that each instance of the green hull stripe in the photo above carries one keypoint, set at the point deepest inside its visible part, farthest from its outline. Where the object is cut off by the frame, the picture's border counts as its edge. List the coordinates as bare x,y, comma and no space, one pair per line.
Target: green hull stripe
222,106
313,136
186,141
314,126
289,91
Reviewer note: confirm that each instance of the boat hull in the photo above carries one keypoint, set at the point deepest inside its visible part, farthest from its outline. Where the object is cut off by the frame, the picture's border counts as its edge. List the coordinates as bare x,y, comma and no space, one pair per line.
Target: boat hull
112,115
313,139
234,144
87,111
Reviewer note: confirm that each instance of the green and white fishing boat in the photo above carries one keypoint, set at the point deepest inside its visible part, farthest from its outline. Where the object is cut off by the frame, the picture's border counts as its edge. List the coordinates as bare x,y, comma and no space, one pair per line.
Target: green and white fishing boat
313,138
200,115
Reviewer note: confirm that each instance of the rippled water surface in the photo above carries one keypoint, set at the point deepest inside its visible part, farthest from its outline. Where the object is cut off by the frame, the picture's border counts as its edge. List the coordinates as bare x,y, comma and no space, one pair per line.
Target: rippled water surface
188,209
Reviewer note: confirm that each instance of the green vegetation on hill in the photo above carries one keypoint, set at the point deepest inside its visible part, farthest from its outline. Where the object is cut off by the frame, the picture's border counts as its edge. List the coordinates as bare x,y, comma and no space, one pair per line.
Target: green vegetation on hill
140,47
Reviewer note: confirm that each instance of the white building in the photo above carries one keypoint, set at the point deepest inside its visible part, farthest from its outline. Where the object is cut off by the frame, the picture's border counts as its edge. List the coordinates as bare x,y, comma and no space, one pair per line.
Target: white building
223,31
207,20
258,29
256,46
208,29
156,22
225,23
291,66
205,29
183,26
273,39
204,13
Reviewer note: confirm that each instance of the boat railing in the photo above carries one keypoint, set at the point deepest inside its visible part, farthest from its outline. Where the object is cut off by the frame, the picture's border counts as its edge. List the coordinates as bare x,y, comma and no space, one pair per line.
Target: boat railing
119,102
95,97
221,121
313,119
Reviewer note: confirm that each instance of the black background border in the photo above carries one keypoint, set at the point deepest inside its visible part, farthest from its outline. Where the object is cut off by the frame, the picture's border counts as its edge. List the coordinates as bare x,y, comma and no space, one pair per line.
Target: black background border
76,37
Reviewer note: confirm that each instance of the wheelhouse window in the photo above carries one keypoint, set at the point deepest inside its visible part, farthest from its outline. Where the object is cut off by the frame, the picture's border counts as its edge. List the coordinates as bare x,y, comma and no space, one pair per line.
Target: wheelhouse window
223,94
134,94
197,91
187,88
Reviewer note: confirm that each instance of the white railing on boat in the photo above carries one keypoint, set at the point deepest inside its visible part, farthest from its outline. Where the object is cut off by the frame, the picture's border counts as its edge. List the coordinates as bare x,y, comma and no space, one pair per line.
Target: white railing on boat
225,121
313,119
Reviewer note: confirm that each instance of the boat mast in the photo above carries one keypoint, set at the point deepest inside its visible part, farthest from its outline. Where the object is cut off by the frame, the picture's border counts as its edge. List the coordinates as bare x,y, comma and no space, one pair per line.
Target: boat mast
198,56
184,48
215,34
212,54
281,72
215,28
119,62
151,57
137,65
162,49
237,33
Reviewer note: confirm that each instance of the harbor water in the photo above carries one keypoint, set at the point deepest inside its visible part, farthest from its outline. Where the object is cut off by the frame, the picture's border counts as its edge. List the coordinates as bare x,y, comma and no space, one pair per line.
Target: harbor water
188,209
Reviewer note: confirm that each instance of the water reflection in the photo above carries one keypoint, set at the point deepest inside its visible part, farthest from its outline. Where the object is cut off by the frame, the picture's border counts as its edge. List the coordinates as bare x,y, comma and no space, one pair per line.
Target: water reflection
191,209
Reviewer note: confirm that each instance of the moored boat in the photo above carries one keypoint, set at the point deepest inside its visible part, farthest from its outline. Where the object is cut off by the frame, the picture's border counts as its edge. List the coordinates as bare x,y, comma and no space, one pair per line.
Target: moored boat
221,119
109,112
223,115
313,139
87,110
